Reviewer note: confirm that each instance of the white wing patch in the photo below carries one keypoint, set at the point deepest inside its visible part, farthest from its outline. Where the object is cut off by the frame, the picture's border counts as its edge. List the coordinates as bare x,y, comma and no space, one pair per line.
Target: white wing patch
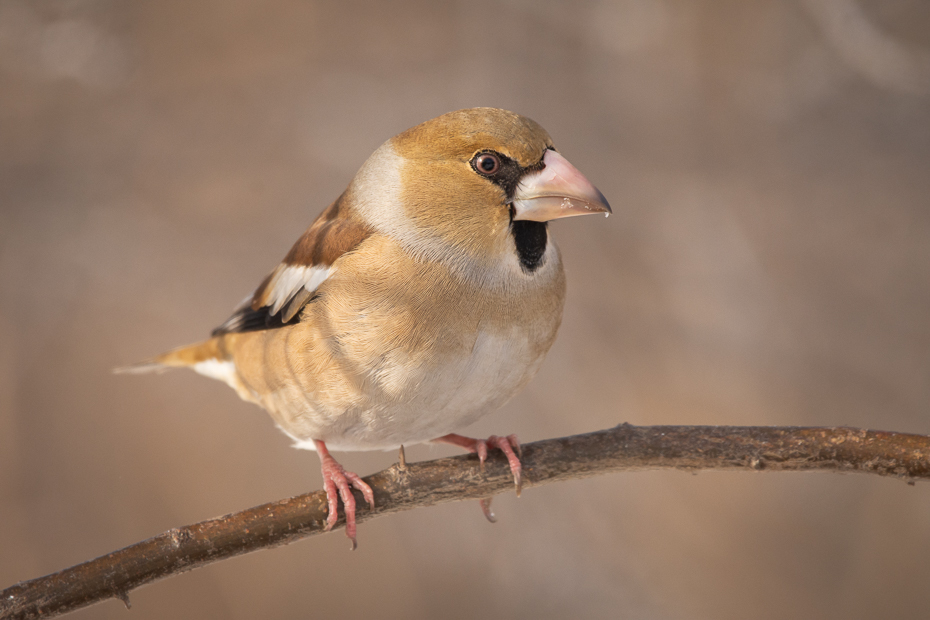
287,282
288,290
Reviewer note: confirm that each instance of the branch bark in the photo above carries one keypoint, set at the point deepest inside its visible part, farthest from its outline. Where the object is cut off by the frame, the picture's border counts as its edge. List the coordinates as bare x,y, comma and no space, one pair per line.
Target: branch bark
623,448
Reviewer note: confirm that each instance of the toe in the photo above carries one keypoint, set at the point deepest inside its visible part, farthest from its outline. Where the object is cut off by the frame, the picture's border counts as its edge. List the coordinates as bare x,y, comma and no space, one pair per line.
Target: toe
348,505
481,447
332,503
506,445
362,486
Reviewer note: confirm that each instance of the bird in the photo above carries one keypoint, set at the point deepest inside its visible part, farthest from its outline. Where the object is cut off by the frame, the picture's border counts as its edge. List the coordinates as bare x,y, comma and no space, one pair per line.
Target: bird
423,298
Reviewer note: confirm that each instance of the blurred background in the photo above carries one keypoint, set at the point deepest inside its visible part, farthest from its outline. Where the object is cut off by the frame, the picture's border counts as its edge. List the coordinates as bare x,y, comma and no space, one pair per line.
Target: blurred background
768,263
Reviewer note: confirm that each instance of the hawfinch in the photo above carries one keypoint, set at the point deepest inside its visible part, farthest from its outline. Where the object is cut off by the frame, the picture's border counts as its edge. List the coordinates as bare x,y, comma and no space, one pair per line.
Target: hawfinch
419,301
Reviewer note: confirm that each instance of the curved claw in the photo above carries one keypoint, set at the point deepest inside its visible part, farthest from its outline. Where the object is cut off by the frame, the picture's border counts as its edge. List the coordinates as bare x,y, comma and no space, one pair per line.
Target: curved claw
486,509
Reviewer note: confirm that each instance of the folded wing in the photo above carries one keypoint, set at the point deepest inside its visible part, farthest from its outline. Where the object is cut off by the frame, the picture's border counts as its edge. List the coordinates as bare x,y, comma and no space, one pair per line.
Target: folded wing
283,294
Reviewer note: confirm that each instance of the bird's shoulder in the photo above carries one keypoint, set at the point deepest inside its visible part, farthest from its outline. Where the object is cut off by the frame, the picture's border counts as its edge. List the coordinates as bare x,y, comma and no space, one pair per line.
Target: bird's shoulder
315,256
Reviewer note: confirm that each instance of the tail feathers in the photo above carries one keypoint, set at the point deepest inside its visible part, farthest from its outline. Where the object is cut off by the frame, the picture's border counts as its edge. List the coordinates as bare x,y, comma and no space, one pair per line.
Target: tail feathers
182,357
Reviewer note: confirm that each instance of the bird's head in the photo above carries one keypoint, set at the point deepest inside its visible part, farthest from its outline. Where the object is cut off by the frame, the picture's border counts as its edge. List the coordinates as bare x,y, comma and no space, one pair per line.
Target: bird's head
462,182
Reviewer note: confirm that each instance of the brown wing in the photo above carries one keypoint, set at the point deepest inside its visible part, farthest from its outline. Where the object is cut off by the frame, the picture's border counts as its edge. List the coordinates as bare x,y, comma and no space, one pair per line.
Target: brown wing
279,298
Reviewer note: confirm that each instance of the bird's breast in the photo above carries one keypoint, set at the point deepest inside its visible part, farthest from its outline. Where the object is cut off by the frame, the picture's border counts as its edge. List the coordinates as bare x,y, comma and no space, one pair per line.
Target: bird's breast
375,365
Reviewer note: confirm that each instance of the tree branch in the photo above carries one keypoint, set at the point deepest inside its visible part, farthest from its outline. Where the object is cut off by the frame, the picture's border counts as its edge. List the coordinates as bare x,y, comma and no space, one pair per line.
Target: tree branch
623,448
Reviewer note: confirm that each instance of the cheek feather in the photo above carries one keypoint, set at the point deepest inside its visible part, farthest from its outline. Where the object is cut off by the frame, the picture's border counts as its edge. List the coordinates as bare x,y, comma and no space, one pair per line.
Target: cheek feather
450,201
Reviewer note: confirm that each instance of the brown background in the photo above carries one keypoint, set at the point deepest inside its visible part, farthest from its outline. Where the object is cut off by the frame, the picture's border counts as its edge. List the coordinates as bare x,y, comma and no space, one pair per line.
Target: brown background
768,263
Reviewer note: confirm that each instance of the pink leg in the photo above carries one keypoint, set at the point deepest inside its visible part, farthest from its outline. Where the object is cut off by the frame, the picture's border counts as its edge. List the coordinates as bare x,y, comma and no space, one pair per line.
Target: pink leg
480,447
336,481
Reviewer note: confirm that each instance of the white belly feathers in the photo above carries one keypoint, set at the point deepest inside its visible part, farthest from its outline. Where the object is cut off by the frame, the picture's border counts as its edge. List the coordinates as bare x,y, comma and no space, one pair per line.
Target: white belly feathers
424,403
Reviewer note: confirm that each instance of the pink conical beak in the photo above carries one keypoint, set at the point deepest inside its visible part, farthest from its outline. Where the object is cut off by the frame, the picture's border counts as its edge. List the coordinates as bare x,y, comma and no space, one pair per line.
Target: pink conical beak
558,190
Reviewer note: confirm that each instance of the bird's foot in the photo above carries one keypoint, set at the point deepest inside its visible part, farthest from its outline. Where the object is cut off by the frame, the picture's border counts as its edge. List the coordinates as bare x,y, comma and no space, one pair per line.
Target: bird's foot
509,445
338,483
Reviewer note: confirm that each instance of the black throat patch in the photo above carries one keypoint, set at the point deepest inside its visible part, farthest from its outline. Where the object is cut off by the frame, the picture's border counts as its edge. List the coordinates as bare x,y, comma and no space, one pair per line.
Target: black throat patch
530,239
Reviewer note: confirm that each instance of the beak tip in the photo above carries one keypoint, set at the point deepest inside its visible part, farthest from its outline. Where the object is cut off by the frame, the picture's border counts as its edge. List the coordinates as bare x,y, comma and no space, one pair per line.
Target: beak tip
604,203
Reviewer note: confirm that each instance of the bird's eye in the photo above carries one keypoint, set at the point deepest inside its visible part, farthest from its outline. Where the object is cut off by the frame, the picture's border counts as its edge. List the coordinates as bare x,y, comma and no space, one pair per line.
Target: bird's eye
487,163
